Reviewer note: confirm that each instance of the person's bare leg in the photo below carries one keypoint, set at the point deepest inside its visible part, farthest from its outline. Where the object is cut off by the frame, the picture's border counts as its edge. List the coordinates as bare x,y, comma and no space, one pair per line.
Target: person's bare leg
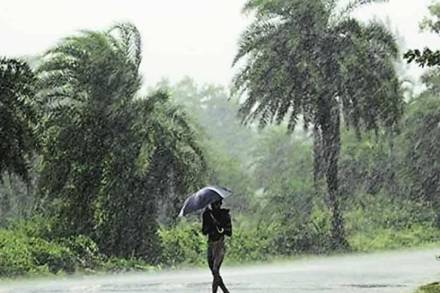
222,285
211,257
219,254
215,284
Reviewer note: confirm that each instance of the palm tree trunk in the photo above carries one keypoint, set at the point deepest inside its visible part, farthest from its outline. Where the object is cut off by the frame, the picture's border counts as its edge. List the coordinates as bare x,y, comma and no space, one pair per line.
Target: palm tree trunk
318,160
332,142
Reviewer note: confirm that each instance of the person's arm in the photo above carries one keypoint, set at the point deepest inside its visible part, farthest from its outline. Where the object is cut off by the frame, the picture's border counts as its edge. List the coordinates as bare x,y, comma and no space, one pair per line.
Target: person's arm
207,224
228,225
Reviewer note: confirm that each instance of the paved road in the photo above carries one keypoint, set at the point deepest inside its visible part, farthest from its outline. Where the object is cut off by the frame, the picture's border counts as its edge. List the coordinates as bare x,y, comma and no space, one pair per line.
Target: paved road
397,272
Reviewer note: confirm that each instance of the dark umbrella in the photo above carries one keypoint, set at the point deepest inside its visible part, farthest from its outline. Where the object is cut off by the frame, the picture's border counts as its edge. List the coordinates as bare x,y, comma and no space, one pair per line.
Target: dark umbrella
202,198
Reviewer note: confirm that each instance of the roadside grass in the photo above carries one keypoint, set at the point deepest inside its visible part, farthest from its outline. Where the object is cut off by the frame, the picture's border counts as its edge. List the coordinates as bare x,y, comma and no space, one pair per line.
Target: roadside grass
430,288
29,248
417,236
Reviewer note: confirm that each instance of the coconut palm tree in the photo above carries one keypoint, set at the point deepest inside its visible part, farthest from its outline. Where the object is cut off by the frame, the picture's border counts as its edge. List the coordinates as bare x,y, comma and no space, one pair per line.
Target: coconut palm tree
18,117
108,153
312,60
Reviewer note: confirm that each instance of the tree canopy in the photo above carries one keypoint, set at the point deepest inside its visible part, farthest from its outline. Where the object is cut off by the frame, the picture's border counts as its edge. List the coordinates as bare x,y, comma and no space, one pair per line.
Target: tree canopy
18,117
312,60
108,154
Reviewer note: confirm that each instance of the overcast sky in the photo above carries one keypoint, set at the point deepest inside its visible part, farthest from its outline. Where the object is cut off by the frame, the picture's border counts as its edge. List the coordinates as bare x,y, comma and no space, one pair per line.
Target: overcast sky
197,38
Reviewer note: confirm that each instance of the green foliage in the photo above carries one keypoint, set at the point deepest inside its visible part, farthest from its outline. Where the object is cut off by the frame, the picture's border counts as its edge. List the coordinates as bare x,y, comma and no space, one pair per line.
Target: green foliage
298,234
383,222
86,251
289,34
230,171
430,288
35,246
288,200
114,165
308,59
108,156
52,255
251,242
37,226
253,239
283,163
422,153
84,83
18,117
369,164
381,239
428,57
183,244
216,116
16,258
174,166
228,144
21,254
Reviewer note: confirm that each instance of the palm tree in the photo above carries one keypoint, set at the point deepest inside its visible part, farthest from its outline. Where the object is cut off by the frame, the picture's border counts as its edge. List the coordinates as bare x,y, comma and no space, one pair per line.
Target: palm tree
18,117
82,83
109,154
311,59
166,161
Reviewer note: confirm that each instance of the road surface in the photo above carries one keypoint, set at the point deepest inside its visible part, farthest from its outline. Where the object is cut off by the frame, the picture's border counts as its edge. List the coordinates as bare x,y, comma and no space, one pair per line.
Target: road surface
397,272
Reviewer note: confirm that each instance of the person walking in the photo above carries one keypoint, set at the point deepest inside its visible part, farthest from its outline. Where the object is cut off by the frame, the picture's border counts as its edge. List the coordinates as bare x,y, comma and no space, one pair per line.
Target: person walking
216,224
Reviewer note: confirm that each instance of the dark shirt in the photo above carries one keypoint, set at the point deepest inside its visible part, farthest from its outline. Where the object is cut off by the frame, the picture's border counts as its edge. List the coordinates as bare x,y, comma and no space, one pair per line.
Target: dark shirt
209,227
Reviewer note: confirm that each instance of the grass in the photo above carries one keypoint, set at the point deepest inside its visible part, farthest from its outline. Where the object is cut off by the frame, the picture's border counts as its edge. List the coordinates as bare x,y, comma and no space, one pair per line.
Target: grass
430,288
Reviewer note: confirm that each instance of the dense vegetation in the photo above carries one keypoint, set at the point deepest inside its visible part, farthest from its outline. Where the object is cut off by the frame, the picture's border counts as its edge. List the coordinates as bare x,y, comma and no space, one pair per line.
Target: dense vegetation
94,171
430,288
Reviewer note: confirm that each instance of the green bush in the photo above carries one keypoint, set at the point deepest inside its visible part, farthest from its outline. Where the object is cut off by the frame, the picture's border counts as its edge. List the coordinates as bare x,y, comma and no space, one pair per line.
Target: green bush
15,255
387,238
376,222
250,242
36,226
85,250
183,244
304,235
21,254
30,247
55,257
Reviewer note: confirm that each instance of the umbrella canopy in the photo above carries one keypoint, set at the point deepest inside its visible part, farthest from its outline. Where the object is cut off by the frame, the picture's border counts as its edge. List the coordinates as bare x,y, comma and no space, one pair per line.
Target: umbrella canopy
202,198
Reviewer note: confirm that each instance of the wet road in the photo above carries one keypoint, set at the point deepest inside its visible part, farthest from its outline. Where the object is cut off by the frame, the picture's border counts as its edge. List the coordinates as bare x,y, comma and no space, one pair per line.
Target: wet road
397,272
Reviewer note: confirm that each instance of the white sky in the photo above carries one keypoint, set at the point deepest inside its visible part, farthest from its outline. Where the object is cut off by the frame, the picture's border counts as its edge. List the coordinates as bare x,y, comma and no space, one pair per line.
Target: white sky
197,38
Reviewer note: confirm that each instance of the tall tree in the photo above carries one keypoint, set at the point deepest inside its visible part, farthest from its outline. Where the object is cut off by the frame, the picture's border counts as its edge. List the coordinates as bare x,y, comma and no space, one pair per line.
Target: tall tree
228,143
109,155
84,82
311,59
420,143
18,117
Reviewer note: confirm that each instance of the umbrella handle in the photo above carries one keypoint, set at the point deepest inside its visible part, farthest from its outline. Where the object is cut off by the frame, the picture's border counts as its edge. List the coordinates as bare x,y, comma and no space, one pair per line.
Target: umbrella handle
220,230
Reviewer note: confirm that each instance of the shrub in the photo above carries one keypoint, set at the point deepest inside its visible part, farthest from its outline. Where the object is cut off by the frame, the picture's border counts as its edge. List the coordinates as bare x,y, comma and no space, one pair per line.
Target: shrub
21,254
30,247
183,244
15,255
85,250
57,258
